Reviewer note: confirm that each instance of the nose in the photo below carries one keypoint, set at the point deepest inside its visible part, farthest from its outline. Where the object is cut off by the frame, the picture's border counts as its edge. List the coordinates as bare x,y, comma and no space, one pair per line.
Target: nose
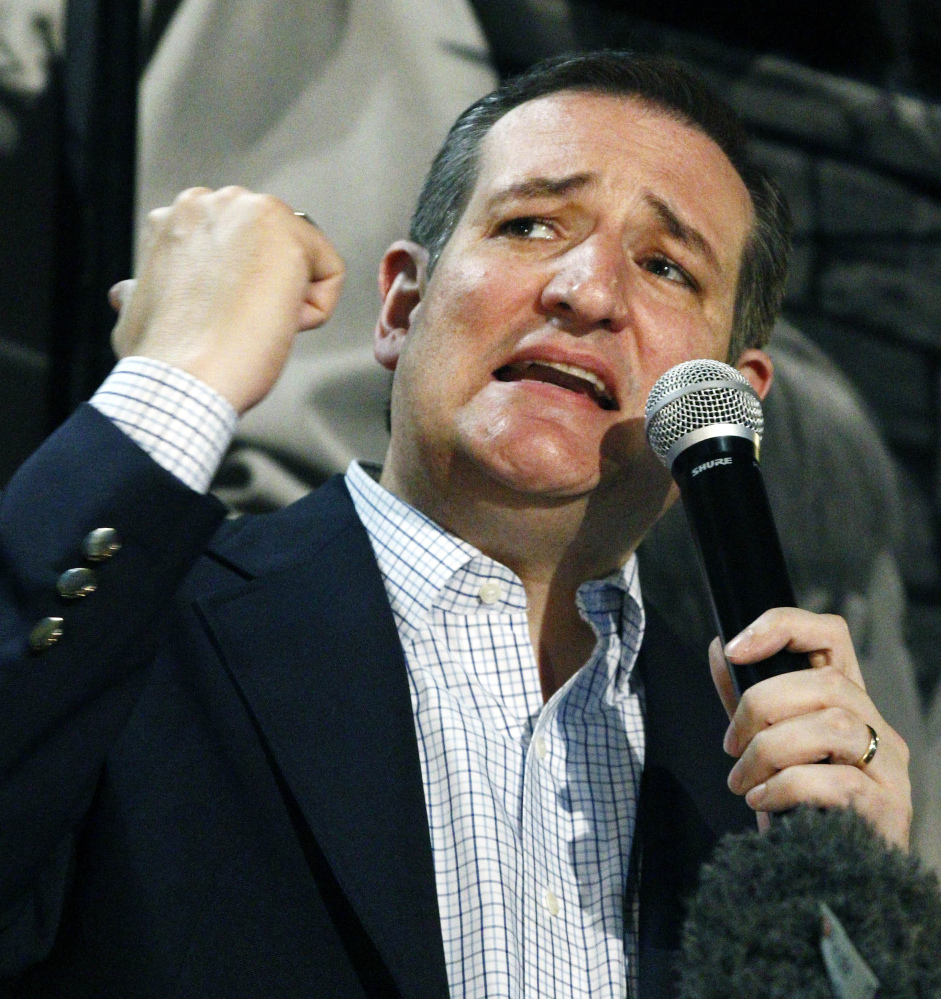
589,287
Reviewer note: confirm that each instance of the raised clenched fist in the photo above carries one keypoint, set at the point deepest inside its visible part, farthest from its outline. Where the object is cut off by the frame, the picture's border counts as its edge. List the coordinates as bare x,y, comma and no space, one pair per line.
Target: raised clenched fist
227,280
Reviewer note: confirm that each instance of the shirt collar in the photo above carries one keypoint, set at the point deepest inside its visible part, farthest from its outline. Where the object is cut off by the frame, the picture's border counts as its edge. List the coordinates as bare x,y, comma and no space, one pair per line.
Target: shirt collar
418,558
614,608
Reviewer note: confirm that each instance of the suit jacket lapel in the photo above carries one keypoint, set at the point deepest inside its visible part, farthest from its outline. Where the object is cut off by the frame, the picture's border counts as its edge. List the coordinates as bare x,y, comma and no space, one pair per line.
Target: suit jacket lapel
685,803
313,647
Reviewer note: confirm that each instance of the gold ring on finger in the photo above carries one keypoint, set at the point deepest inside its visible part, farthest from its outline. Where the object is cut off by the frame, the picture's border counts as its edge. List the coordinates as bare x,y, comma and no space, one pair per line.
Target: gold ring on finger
870,749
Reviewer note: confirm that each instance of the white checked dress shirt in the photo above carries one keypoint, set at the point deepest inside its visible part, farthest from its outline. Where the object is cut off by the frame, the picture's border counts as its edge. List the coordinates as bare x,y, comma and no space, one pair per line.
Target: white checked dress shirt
531,806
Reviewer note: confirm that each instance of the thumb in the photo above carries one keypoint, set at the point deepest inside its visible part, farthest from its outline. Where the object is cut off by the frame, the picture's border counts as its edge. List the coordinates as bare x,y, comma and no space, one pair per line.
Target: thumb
120,293
721,677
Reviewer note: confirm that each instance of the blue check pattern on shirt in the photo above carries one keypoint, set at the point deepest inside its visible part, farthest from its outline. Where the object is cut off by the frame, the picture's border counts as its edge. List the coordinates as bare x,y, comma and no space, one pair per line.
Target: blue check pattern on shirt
532,807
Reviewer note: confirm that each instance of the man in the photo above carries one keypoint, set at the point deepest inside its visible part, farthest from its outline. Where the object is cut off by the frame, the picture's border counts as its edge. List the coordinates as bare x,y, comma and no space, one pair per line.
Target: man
397,739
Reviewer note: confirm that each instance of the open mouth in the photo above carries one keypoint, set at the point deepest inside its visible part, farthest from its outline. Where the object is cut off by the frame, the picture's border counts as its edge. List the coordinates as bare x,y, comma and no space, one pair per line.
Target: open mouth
567,376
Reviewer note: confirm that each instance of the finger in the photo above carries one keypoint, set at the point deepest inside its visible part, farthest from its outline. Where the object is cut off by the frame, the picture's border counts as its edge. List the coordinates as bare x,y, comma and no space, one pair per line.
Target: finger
722,678
153,225
793,694
887,809
831,735
824,637
323,260
156,216
326,272
320,302
192,193
119,294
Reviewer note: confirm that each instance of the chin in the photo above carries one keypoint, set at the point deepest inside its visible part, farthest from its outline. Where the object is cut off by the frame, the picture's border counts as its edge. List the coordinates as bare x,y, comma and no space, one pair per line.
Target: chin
540,467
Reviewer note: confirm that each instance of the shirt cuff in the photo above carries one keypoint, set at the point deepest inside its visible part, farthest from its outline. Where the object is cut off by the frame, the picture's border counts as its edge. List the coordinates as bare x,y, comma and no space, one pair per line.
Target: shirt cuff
181,422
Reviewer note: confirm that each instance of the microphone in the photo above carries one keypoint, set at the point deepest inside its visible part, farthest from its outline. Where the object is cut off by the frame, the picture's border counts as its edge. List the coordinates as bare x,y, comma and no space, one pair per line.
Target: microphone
819,907
704,422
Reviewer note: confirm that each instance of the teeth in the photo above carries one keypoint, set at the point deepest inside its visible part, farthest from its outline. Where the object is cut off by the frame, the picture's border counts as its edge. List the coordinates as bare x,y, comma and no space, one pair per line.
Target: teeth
572,369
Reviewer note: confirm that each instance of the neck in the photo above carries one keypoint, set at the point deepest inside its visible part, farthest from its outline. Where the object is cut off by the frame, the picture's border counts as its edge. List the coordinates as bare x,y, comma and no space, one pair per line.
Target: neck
554,544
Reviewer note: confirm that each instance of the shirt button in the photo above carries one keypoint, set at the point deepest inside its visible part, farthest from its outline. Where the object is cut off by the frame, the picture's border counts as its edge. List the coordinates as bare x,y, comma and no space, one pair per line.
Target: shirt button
540,745
552,903
491,592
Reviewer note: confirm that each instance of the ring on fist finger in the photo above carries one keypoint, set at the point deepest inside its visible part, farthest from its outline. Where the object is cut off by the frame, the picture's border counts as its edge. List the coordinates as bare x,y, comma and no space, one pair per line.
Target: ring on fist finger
866,758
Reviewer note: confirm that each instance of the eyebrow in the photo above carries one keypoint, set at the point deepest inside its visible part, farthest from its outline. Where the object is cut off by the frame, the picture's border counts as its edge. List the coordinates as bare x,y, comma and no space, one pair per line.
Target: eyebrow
540,187
680,230
549,187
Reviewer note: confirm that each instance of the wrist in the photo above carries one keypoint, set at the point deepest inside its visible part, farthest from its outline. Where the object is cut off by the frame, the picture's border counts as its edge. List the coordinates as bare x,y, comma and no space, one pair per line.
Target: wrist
182,422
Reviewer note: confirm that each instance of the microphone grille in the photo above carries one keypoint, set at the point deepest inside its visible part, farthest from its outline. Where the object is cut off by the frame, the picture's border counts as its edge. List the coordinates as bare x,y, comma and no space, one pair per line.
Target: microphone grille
698,394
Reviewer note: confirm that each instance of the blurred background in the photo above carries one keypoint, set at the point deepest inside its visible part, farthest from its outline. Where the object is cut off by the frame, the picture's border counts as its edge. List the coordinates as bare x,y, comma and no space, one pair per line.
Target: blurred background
108,109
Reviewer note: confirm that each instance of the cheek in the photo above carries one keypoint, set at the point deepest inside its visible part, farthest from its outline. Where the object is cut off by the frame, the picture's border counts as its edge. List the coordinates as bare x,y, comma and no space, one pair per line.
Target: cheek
673,334
465,333
464,289
446,357
483,293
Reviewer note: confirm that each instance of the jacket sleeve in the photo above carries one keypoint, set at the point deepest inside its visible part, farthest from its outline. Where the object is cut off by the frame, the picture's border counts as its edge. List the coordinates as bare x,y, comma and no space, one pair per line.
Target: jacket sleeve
63,704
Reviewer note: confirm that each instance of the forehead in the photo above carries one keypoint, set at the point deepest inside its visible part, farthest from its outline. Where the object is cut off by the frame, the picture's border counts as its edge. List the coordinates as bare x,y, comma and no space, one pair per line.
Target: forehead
628,147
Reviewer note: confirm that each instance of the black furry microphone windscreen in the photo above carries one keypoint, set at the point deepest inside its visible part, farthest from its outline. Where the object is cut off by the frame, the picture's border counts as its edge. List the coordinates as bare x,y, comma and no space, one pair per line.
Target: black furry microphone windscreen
754,928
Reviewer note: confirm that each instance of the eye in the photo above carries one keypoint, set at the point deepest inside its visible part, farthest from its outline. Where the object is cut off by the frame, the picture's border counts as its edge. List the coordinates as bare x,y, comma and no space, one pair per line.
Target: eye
666,268
527,227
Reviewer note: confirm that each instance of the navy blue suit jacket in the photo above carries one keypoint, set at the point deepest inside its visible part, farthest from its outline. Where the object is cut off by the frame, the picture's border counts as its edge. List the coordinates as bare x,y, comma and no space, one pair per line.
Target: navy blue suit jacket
210,785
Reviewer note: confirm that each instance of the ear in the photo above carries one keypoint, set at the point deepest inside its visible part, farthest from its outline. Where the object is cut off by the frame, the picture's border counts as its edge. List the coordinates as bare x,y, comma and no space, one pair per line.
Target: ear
403,276
758,368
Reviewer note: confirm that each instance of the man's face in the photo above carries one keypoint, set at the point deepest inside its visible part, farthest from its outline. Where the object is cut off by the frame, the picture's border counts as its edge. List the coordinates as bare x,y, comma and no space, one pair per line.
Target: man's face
601,246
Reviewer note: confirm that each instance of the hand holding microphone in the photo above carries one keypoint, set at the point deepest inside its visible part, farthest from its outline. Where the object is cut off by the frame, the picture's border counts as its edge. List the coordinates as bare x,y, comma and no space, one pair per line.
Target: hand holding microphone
704,421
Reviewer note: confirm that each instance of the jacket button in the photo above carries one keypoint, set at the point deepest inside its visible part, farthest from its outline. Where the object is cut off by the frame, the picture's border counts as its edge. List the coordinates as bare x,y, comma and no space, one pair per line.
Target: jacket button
46,633
100,544
75,583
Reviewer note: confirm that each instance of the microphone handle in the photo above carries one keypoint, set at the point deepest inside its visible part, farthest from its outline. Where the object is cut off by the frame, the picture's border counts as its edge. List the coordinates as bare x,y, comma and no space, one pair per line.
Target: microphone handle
739,551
